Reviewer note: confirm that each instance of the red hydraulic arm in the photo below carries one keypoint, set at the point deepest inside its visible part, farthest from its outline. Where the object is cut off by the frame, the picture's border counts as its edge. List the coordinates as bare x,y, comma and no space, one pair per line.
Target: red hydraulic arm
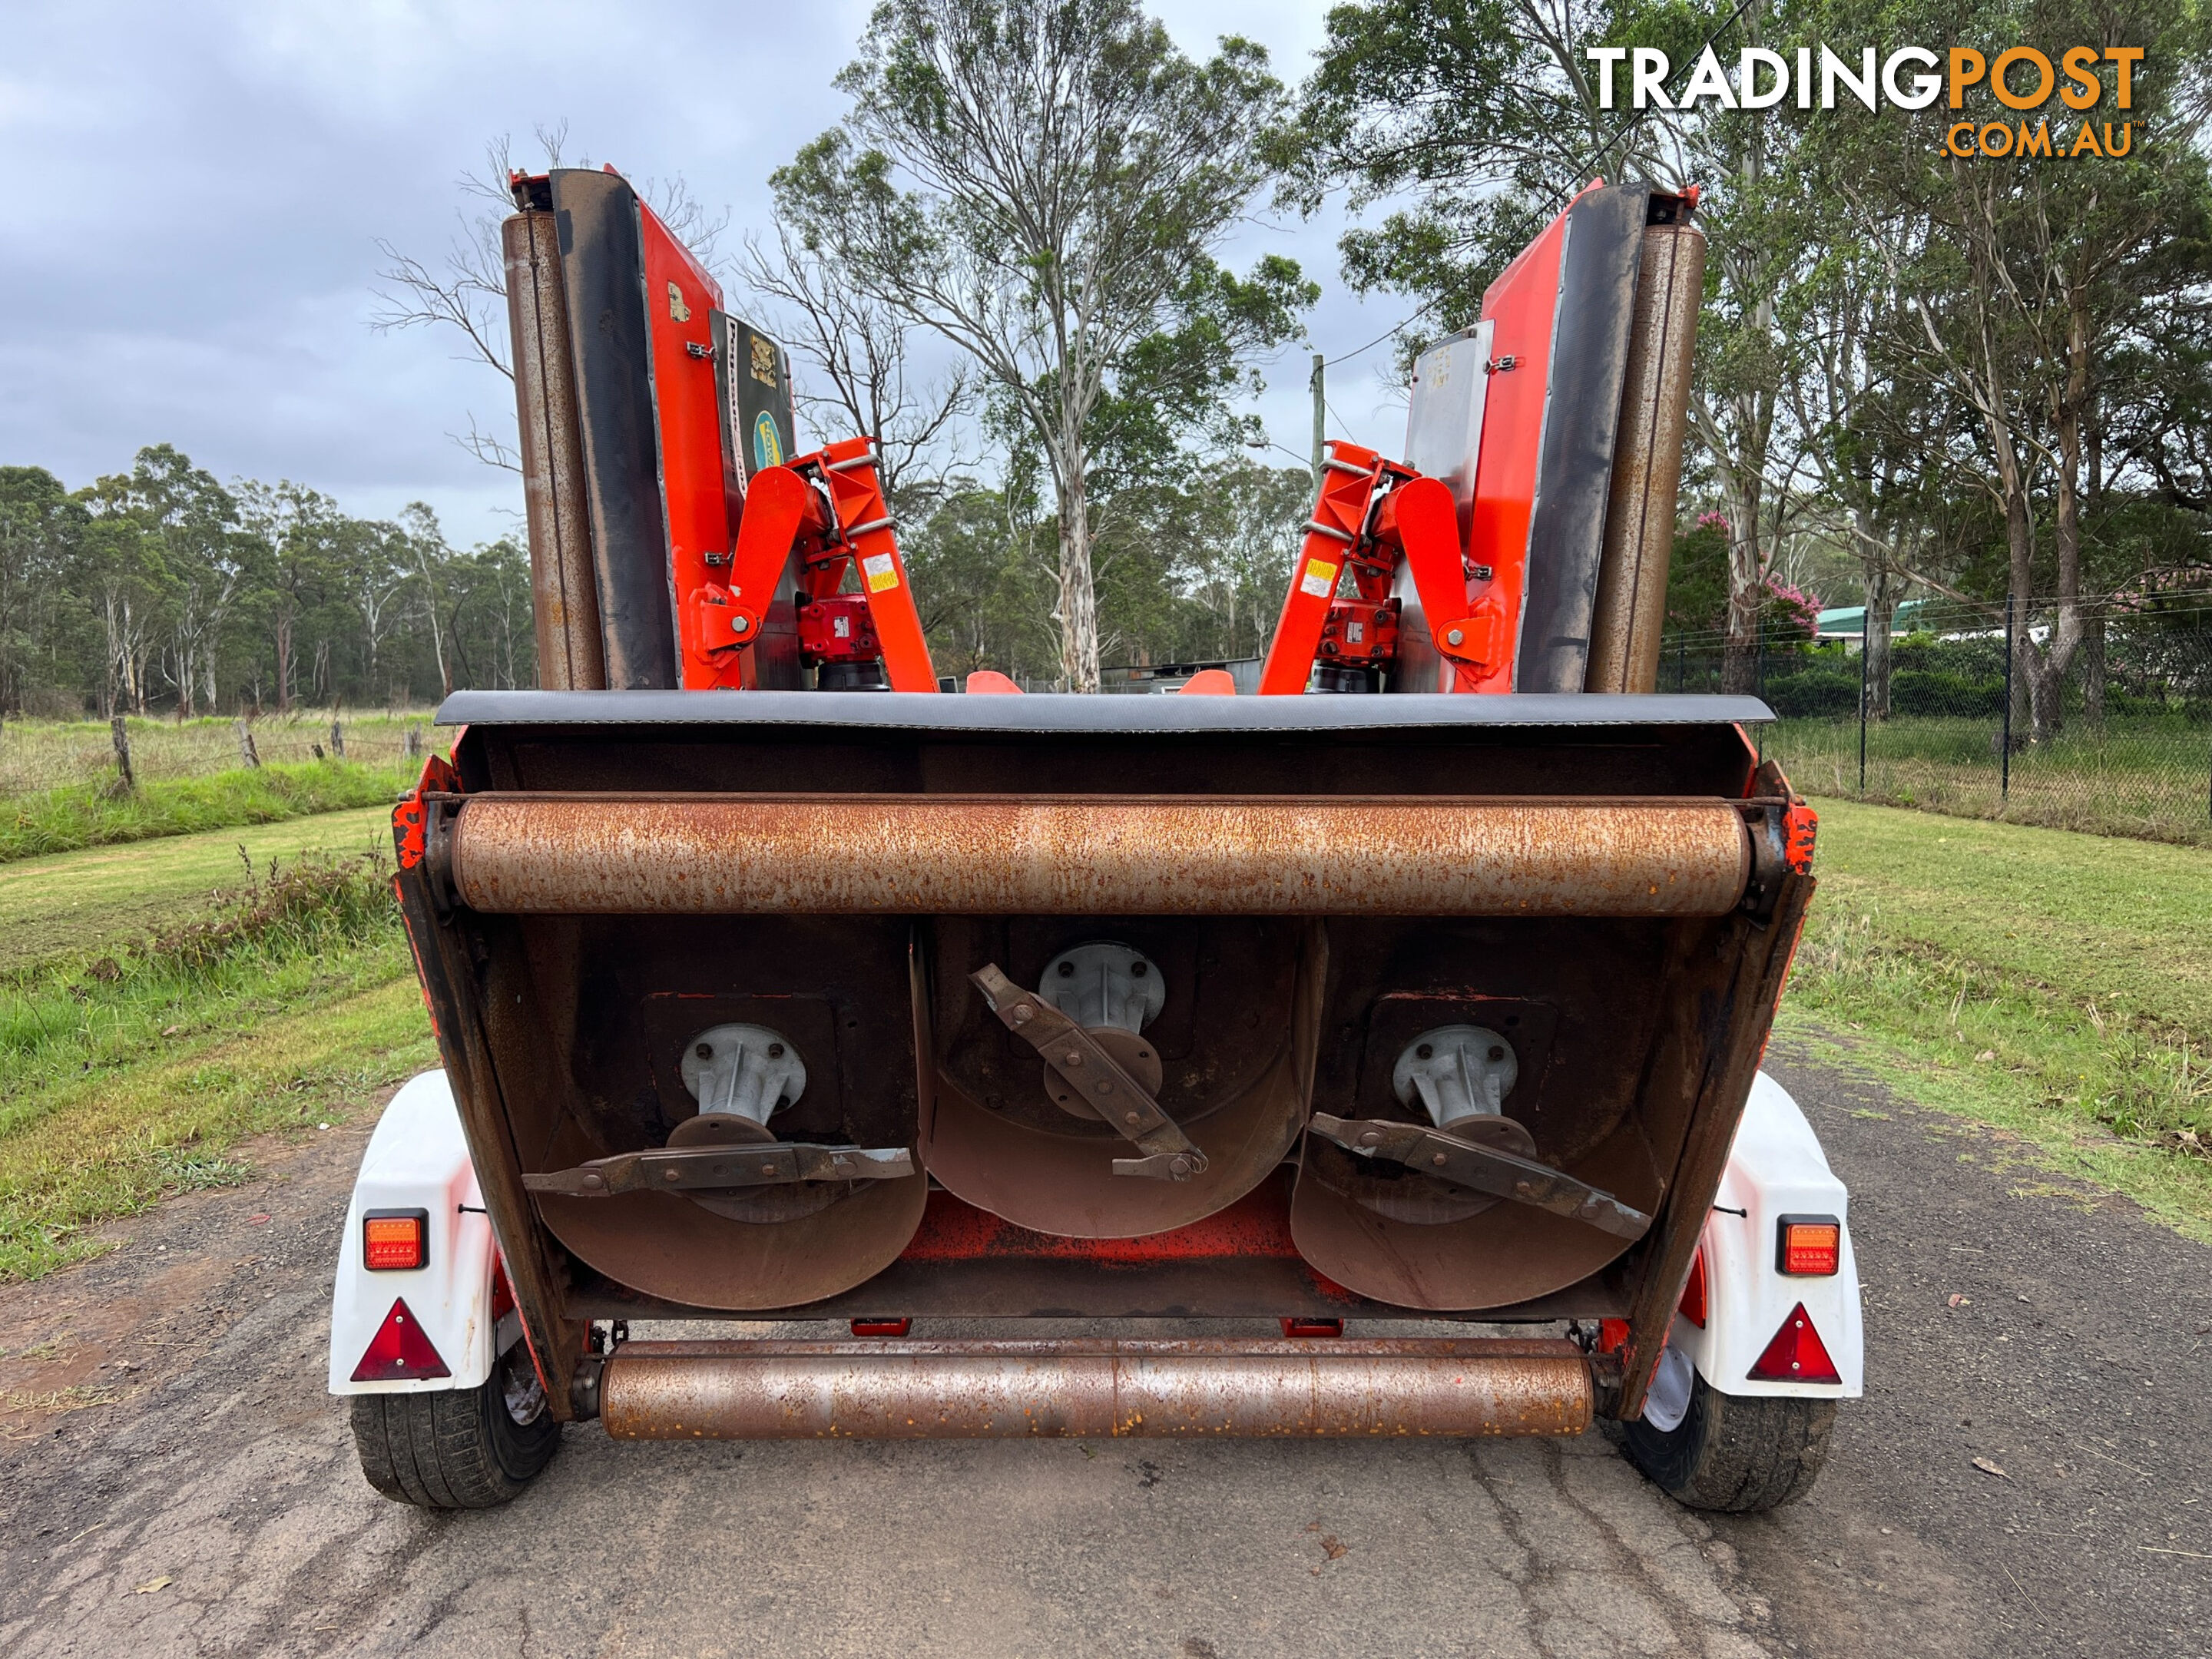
829,506
1371,515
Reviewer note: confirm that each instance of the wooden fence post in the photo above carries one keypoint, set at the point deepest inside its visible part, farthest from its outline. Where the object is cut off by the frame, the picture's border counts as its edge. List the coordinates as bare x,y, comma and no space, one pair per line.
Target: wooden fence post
247,755
337,740
121,733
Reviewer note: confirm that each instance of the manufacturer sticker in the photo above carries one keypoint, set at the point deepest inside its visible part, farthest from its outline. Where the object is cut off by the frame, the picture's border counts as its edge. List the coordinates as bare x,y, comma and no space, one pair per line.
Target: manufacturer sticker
881,572
1319,579
768,447
763,361
678,311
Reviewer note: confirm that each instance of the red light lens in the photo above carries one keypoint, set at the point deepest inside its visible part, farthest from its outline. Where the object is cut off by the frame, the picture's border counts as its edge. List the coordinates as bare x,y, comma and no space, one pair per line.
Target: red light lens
1796,1354
1810,1246
395,1241
1295,1327
1694,1293
882,1327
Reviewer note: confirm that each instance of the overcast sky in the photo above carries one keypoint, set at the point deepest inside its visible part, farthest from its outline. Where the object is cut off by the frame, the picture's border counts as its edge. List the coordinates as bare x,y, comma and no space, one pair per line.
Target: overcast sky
196,192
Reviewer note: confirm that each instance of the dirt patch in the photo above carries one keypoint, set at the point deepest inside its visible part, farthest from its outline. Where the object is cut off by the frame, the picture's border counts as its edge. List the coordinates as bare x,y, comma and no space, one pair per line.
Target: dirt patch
171,1282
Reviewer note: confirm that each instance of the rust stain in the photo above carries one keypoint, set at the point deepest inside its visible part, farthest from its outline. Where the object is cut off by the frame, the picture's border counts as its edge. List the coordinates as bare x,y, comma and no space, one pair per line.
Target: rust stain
1095,1389
999,855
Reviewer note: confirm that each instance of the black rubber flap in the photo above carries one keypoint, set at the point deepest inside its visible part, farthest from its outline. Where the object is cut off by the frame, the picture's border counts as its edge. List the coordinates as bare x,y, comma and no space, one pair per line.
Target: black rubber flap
602,262
1574,472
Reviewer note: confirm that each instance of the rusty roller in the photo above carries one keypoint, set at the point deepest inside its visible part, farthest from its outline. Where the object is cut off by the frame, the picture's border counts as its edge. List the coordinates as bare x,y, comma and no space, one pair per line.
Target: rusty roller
1093,1389
945,854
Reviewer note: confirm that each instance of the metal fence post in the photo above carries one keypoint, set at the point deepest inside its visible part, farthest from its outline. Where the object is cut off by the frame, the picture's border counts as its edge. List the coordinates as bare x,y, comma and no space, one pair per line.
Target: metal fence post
2004,771
1866,626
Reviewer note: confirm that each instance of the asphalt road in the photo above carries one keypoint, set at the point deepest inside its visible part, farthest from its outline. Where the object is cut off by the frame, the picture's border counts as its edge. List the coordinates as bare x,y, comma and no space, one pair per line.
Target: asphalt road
210,1504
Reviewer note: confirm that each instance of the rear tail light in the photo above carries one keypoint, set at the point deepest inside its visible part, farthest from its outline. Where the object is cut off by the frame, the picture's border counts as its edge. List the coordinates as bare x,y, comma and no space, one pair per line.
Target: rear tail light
395,1241
1296,1326
399,1352
1809,1246
882,1327
1694,1293
1796,1354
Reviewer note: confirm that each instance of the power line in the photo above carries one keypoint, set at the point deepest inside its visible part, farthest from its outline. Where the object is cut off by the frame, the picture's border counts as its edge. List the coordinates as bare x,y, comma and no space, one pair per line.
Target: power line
1395,328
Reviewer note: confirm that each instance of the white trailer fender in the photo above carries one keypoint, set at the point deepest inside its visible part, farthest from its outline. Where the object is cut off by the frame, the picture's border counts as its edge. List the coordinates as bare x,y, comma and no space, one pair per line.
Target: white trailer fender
418,1159
1775,1169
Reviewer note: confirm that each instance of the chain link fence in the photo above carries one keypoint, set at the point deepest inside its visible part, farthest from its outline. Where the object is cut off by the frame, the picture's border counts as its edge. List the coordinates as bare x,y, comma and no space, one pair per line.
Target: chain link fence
1948,719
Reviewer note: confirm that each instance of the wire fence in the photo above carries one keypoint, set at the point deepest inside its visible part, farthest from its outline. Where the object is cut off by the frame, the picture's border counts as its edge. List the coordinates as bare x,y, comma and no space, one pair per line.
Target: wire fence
41,755
1951,718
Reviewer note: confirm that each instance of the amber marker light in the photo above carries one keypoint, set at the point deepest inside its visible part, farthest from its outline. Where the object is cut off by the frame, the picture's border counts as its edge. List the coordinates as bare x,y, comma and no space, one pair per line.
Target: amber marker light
1809,1246
395,1241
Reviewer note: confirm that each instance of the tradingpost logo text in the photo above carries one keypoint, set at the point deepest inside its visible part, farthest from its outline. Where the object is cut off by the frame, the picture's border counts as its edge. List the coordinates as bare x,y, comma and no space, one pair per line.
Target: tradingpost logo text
2021,79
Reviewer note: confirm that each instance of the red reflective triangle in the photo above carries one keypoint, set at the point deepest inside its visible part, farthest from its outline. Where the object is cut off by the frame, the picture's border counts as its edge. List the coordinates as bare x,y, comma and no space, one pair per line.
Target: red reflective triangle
1694,1293
1796,1354
400,1351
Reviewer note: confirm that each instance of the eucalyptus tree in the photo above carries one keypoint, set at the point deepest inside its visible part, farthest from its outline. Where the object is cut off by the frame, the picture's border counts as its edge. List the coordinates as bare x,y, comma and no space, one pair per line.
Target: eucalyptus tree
1044,183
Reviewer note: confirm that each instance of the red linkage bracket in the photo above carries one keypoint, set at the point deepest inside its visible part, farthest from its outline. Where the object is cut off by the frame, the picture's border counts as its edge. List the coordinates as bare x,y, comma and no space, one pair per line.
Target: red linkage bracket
1372,516
830,507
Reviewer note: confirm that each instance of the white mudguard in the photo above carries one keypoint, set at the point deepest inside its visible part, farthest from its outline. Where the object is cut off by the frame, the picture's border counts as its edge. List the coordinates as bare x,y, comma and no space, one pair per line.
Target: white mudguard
1775,1169
418,1159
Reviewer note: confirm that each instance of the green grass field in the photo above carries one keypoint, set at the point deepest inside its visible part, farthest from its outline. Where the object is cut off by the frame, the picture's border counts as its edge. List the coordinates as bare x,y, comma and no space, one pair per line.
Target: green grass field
36,756
2145,776
147,1024
2056,985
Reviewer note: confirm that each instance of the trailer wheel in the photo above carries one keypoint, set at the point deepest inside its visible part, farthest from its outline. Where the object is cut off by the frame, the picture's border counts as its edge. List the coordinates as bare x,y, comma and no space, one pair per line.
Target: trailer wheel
458,1449
1738,1452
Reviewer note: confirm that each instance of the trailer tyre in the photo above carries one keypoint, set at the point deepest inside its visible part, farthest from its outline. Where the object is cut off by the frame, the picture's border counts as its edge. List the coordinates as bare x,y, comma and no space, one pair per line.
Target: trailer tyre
1737,1453
458,1449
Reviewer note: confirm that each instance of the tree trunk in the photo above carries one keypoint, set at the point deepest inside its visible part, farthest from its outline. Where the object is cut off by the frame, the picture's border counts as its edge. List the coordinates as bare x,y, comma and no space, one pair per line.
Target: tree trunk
1078,594
1747,585
283,665
2093,673
1881,609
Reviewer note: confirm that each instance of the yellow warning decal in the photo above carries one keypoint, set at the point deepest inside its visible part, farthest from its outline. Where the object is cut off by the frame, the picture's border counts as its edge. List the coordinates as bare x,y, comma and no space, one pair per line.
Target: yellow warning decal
881,572
1319,579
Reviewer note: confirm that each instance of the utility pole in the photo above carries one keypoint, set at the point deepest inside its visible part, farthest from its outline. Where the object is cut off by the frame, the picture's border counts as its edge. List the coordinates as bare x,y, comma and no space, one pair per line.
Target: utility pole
1321,413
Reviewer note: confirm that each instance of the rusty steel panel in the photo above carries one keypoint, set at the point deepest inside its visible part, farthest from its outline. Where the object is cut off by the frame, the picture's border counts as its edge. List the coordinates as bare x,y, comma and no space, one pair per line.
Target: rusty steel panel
564,594
1100,855
1647,464
1095,1389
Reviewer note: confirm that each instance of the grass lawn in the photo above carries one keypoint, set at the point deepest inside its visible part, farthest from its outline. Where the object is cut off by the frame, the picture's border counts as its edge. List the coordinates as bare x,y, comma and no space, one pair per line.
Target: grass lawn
86,902
78,816
2144,776
130,1068
2055,984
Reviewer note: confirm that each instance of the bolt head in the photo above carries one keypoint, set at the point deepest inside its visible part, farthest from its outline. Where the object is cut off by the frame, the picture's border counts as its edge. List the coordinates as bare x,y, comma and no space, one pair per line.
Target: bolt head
1073,1057
595,1181
671,1174
1132,1117
1181,1166
1457,637
767,1168
1438,1160
1022,1013
739,625
1371,1139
